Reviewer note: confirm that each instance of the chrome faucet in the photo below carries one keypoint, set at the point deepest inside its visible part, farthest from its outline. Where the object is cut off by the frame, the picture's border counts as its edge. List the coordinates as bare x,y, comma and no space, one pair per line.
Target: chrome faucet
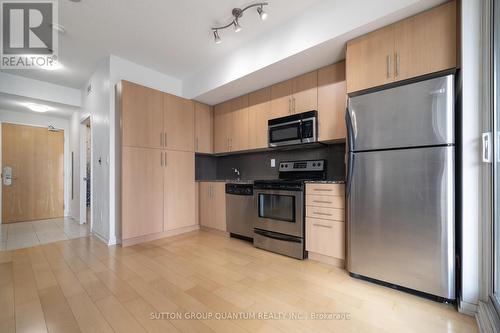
238,174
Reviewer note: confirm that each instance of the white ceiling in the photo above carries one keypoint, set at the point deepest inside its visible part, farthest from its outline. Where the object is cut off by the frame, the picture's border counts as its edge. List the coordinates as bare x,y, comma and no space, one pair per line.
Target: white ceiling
172,37
16,103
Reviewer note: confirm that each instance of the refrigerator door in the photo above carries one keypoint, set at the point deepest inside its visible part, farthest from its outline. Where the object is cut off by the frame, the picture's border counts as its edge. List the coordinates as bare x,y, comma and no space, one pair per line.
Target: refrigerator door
413,115
401,218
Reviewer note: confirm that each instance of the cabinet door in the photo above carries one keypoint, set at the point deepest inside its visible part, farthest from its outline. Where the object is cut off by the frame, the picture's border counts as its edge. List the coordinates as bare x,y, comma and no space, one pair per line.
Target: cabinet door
219,208
332,100
259,107
206,214
238,139
178,123
281,99
370,60
325,237
222,124
427,42
204,122
141,115
305,92
179,190
142,192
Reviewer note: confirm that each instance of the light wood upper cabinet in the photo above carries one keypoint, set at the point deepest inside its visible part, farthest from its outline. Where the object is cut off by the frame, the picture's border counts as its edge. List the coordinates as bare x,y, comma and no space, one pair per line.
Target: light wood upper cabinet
419,45
142,192
369,60
305,92
204,122
332,100
179,190
238,139
141,115
426,43
178,123
281,99
259,107
222,124
213,205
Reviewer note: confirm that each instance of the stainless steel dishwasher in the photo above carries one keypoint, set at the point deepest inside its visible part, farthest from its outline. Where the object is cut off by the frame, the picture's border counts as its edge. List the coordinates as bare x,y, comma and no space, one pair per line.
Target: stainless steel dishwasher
240,210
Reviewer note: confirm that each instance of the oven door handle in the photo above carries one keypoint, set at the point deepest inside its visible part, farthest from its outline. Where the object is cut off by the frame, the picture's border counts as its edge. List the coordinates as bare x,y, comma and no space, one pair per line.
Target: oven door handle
277,236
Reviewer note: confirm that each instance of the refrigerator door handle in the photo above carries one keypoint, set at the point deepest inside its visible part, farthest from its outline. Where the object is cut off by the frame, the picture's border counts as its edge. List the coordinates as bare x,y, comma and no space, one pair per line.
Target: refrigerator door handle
350,130
350,173
487,151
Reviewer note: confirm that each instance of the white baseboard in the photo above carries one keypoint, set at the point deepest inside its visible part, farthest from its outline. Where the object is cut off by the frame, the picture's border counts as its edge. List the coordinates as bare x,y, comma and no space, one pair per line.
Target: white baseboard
101,237
467,308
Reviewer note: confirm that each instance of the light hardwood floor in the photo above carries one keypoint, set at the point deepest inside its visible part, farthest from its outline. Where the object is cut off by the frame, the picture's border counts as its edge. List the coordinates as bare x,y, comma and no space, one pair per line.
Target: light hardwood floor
82,285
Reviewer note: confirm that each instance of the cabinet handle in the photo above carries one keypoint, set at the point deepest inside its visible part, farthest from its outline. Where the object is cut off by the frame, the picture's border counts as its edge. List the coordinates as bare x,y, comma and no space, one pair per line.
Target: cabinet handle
320,213
165,140
161,158
322,201
322,225
389,66
397,64
165,159
161,139
289,105
293,105
323,190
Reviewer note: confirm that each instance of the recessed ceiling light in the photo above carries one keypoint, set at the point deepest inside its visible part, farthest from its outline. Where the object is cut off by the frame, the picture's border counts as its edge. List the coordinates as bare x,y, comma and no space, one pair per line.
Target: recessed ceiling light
38,107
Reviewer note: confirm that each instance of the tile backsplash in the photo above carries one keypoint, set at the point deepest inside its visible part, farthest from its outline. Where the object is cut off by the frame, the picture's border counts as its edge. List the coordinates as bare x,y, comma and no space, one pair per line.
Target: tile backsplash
257,165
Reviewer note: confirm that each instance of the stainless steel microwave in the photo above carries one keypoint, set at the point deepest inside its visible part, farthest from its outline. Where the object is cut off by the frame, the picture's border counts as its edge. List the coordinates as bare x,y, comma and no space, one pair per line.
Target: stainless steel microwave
293,130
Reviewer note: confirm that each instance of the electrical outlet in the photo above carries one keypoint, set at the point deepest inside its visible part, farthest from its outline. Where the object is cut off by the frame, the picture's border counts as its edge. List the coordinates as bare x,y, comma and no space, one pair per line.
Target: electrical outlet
273,163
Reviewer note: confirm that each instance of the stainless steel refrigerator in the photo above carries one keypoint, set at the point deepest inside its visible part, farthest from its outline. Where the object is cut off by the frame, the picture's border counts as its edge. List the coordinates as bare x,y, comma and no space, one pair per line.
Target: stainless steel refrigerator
400,186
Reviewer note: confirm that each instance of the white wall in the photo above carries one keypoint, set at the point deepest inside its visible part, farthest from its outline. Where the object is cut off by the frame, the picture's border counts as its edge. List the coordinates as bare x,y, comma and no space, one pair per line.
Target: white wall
32,119
74,144
97,105
471,163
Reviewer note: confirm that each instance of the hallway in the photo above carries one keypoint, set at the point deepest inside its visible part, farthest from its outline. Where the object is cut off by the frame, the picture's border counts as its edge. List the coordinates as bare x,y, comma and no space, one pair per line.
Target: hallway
26,234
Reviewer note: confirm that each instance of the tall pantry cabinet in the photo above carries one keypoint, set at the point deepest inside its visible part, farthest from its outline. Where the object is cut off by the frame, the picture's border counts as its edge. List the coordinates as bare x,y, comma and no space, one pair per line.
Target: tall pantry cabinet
157,163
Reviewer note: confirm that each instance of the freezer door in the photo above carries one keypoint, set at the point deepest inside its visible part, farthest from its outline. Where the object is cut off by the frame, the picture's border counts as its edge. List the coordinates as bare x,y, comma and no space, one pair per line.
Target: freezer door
401,218
413,115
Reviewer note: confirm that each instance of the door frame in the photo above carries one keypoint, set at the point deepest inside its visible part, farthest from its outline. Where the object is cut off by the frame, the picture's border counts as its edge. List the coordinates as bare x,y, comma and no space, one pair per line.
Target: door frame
66,161
83,171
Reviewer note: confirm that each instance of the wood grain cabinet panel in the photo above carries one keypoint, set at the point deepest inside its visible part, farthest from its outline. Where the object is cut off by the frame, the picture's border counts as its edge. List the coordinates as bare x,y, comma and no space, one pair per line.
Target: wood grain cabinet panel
178,123
369,60
259,107
305,92
238,138
281,99
179,190
213,205
141,115
325,237
222,125
204,123
142,192
426,43
332,102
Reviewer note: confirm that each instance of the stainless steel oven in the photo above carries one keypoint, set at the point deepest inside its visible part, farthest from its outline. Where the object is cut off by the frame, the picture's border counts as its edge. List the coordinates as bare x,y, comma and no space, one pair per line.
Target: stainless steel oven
280,211
279,219
293,130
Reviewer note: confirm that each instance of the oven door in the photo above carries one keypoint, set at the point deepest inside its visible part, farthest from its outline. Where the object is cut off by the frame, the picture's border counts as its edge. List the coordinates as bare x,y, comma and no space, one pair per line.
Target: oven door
280,211
288,133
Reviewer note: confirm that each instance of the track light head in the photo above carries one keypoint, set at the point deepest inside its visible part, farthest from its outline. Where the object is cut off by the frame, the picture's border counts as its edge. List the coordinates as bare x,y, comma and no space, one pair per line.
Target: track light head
217,39
237,26
262,13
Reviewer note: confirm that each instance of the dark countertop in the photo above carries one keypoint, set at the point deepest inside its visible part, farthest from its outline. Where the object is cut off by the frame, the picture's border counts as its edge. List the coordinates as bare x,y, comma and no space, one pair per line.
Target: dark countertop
247,181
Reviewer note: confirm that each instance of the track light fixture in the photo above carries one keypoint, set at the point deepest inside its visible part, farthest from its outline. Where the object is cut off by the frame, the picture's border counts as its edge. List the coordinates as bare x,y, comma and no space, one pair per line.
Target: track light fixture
237,13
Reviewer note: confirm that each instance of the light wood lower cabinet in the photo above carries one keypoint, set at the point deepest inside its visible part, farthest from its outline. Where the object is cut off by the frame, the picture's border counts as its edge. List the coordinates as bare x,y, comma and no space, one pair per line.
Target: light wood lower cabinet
325,223
142,192
212,205
179,190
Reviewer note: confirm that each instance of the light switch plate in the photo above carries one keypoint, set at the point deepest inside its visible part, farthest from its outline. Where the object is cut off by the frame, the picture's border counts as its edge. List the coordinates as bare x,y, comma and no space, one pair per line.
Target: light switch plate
273,163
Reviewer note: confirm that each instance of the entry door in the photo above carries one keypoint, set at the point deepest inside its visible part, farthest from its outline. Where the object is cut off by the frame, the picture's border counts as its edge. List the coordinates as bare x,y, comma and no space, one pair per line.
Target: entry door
32,173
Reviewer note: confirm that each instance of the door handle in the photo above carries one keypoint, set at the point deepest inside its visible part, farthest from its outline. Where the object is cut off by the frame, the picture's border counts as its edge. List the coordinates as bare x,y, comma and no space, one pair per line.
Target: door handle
487,151
389,65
